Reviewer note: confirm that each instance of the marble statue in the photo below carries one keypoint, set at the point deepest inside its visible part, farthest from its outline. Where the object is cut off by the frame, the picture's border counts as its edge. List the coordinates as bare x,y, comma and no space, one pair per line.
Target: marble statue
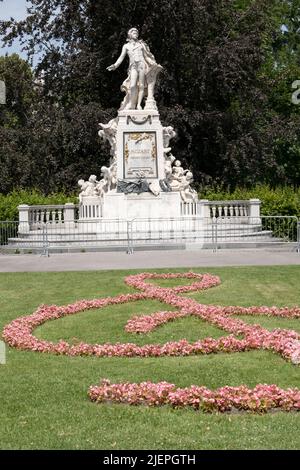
187,193
155,188
88,188
177,171
92,187
169,160
180,180
168,134
141,159
142,72
109,177
109,133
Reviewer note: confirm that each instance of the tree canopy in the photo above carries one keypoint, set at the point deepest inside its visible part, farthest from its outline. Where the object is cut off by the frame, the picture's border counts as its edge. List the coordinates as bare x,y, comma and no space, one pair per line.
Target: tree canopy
226,87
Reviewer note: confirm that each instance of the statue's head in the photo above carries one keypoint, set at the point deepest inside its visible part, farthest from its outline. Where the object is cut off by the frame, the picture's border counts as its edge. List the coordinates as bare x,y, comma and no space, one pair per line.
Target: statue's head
133,33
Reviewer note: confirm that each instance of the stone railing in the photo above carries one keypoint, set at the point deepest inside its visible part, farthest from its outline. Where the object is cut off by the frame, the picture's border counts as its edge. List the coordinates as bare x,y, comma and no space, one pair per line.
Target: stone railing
33,217
215,210
189,209
91,208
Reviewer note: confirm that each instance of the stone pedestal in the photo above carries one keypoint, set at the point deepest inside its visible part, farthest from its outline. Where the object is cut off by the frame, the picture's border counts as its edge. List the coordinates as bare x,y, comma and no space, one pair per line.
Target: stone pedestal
24,218
141,206
140,150
254,211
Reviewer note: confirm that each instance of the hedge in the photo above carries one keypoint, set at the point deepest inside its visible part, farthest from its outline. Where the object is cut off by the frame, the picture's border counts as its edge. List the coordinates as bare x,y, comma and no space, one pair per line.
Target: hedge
9,203
278,201
283,200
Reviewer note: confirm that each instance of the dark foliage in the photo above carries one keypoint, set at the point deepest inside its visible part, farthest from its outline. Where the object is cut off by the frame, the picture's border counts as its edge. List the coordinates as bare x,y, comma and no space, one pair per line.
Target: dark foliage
220,88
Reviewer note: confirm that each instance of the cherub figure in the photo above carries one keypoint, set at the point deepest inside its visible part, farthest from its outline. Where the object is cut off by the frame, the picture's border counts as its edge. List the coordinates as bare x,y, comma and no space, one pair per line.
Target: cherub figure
109,133
177,171
168,134
88,188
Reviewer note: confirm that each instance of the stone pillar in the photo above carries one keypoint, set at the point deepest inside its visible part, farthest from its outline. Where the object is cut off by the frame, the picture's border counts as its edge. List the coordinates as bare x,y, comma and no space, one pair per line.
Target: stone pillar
69,214
254,211
204,209
24,218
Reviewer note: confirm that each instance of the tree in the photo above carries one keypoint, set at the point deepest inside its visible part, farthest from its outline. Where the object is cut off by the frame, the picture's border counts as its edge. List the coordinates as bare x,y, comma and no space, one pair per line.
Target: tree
18,78
219,61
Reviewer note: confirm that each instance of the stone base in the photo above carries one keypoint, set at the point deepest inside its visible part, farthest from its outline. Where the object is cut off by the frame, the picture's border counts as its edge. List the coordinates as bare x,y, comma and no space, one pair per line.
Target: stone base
141,206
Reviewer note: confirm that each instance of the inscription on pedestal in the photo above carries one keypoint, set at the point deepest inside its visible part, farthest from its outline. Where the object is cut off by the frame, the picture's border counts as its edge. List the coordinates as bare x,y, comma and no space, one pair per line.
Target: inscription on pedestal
140,155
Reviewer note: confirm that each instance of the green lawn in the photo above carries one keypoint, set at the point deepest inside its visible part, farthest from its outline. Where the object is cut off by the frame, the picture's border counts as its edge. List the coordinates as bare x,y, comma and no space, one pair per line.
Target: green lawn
44,403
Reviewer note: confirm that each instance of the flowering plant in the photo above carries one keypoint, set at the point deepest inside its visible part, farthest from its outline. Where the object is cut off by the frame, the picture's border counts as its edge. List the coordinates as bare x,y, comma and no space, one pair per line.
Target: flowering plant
260,399
253,337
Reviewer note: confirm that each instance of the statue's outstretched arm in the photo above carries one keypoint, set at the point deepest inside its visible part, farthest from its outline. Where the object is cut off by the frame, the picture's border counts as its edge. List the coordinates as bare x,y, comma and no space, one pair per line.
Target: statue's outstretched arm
119,61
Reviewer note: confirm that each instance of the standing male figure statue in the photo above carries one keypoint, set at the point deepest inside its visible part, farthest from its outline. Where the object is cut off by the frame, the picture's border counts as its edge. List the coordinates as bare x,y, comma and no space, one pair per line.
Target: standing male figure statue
142,72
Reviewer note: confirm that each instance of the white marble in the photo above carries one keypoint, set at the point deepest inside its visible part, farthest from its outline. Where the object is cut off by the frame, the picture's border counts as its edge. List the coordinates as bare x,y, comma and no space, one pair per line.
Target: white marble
135,125
140,151
142,73
141,206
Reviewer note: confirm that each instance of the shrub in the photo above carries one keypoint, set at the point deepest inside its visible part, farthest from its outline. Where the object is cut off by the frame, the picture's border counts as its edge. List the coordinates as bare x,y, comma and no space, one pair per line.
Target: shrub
283,200
9,203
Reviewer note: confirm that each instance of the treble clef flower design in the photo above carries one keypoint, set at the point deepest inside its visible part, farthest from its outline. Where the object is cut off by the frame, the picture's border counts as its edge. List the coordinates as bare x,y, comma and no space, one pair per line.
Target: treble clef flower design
242,337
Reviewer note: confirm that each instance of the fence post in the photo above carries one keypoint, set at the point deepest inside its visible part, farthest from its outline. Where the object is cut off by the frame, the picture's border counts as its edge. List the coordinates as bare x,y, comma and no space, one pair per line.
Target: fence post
214,226
298,236
24,218
45,251
129,237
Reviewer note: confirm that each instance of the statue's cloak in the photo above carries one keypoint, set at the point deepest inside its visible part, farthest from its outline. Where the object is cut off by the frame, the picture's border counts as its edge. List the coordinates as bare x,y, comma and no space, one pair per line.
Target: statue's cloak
152,70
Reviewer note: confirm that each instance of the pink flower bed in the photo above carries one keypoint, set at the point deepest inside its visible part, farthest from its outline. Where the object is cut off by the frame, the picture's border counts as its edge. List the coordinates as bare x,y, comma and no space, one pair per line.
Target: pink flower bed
19,333
260,399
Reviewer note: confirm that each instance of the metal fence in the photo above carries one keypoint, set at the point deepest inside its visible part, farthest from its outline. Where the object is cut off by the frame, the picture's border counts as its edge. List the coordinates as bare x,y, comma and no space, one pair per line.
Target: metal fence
263,231
131,235
64,236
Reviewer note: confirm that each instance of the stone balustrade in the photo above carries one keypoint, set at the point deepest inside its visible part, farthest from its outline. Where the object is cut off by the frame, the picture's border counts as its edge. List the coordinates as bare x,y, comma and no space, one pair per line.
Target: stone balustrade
32,217
189,209
215,210
91,208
